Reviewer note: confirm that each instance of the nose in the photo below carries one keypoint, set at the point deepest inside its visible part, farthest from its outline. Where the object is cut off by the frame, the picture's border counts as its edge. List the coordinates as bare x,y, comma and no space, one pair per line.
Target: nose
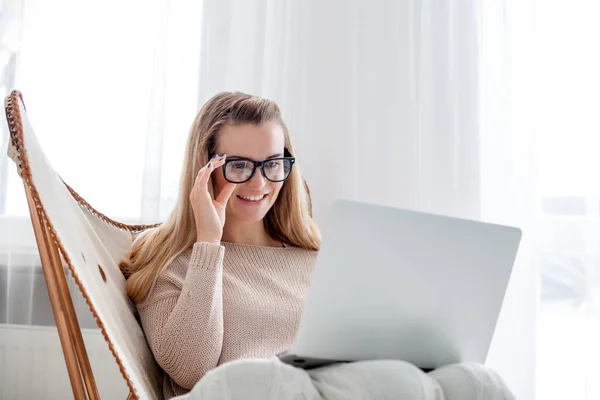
257,181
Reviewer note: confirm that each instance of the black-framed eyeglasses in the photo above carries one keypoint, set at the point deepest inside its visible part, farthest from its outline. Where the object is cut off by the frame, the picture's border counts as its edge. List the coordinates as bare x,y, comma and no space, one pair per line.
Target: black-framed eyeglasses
240,170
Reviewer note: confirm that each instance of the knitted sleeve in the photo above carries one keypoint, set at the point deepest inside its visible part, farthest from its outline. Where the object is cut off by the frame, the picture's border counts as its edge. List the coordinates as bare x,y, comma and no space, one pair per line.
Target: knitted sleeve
183,319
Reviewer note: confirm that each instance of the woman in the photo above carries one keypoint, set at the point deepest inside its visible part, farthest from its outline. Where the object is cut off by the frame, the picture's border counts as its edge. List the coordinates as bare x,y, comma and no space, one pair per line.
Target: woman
225,276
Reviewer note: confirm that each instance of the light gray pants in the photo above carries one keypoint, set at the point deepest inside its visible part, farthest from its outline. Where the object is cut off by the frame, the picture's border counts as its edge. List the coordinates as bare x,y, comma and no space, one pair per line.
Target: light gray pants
269,379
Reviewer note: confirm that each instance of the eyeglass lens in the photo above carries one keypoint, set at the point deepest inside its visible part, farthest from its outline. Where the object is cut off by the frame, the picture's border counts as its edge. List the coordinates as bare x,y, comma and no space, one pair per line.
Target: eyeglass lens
241,170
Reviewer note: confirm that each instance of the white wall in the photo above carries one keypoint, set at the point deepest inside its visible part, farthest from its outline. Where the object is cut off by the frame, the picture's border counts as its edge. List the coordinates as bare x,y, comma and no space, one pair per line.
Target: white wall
32,365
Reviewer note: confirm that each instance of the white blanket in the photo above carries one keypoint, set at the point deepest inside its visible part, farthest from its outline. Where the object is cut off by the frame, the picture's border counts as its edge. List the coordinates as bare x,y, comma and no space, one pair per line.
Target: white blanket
269,379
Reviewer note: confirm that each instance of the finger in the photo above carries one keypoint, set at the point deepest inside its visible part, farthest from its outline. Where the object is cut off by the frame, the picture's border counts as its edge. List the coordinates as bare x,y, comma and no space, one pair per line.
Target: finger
208,169
204,173
211,166
196,184
226,193
200,173
219,160
209,187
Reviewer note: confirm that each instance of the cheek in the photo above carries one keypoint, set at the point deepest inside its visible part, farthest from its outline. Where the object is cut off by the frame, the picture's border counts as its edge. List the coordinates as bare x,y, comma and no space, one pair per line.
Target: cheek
276,189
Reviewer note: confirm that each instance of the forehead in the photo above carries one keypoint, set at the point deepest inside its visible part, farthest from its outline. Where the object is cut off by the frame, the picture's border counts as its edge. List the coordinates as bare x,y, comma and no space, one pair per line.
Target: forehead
251,140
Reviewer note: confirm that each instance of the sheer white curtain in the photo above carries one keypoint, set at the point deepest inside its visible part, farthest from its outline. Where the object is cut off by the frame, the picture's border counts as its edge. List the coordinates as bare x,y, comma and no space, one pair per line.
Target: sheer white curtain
567,86
470,108
111,88
396,103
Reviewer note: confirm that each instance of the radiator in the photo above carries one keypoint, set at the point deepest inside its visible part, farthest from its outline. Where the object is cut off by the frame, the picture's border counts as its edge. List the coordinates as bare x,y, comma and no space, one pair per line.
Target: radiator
32,365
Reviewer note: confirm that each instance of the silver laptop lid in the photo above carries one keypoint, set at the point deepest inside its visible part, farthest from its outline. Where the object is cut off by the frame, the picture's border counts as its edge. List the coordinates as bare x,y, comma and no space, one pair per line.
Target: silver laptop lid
398,284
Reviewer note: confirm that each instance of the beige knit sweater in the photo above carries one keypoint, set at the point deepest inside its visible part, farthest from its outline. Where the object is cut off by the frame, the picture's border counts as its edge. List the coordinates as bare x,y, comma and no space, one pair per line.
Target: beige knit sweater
219,303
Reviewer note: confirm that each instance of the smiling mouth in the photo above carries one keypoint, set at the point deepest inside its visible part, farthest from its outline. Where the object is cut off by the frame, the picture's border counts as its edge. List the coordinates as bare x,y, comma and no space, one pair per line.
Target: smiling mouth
254,199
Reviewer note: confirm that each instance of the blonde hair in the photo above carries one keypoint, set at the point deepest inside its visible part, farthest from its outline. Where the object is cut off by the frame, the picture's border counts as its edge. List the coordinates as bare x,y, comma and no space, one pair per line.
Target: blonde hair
289,220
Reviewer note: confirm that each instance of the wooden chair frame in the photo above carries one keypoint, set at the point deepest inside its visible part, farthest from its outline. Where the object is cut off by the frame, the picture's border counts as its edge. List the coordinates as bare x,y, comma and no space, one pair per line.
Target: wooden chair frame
71,340
53,261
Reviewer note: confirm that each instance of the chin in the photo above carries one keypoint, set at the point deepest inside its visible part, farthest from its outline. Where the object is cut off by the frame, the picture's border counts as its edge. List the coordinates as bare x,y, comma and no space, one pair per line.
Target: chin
245,218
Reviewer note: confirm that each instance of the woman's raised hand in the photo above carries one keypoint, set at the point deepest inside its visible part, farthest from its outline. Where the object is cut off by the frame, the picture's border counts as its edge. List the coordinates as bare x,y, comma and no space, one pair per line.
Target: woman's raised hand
209,213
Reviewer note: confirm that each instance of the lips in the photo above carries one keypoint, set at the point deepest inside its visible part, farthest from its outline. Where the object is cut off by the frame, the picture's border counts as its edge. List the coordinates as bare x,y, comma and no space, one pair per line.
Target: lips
252,198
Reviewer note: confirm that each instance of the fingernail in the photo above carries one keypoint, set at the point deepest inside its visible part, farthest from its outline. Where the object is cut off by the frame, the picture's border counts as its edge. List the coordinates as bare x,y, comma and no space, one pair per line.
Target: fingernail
208,165
214,155
221,155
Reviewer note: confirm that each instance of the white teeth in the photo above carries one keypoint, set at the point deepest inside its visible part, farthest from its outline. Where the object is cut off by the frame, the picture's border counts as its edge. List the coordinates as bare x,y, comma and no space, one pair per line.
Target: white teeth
252,198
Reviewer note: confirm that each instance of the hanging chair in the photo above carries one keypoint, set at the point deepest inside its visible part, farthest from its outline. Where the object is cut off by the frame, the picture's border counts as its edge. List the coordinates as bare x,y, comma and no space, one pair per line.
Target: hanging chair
72,237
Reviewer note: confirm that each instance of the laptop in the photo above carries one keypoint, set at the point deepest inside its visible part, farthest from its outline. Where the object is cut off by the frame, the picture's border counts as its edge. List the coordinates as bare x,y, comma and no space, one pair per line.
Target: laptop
397,284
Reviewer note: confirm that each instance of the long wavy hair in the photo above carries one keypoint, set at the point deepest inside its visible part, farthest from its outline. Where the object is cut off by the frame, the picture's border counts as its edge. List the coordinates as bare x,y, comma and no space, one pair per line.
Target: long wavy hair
289,220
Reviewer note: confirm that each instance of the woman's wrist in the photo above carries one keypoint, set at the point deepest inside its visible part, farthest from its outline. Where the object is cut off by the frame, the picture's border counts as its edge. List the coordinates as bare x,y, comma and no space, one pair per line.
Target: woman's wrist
204,239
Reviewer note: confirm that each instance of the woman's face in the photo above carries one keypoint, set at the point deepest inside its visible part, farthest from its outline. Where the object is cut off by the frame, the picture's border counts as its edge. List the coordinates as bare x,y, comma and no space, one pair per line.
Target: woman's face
251,200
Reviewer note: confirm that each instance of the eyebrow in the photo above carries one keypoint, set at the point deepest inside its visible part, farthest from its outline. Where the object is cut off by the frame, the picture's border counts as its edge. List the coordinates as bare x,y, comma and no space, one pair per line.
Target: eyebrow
277,155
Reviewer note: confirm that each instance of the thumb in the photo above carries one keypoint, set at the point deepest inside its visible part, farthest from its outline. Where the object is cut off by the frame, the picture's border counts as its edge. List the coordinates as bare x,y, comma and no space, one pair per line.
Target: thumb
225,194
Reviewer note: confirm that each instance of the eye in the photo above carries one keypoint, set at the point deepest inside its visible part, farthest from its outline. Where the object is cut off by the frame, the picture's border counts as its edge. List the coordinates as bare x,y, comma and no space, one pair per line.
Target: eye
238,164
273,164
